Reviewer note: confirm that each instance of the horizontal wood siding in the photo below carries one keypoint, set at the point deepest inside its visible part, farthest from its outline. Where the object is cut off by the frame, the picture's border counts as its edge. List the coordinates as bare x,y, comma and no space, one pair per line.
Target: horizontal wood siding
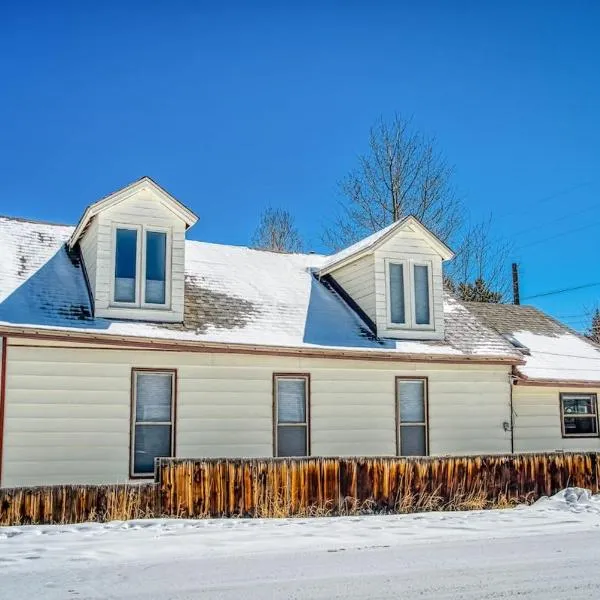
358,280
407,245
89,251
141,209
67,414
537,420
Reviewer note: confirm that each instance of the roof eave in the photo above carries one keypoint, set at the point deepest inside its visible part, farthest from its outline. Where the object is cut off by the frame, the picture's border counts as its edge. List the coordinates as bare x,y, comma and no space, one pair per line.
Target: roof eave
523,380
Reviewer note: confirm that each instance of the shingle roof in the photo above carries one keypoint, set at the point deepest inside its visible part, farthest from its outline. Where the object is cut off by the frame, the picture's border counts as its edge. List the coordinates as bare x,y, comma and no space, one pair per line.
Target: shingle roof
557,353
234,295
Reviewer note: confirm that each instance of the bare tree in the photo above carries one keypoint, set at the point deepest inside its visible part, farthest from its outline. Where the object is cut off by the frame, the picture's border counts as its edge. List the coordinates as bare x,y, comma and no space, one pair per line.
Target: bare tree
481,260
277,232
402,174
594,330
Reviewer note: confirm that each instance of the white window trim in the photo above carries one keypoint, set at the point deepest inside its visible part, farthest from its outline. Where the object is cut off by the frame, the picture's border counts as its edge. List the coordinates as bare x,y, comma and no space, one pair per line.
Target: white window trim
421,263
139,230
408,266
388,295
305,423
171,423
168,254
140,281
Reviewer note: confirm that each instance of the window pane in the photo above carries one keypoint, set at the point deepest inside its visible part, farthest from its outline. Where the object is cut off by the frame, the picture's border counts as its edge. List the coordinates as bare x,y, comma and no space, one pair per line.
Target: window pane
411,398
580,425
412,440
291,440
151,441
291,400
125,265
153,397
581,405
397,308
422,316
156,256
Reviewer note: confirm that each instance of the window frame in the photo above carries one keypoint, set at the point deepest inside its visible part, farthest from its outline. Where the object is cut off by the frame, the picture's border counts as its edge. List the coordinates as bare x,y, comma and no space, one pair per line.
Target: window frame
425,423
407,305
140,282
132,418
113,275
594,398
276,424
429,265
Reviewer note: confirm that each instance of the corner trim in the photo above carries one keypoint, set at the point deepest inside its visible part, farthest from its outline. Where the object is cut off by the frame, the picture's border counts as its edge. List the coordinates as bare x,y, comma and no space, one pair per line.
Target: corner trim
3,364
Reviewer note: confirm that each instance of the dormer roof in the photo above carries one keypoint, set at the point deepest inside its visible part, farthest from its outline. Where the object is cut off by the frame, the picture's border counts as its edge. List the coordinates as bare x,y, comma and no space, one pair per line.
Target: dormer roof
170,202
377,239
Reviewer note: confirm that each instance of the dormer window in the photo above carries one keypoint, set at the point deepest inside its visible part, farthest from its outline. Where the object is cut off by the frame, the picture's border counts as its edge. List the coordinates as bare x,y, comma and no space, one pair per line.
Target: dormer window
141,273
409,294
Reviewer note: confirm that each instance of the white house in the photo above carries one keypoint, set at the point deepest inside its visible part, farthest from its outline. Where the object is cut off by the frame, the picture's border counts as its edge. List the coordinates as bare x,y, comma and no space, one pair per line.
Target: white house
123,341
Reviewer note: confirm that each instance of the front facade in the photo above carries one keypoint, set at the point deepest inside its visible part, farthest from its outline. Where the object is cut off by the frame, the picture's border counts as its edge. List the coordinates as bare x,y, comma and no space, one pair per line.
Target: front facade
122,342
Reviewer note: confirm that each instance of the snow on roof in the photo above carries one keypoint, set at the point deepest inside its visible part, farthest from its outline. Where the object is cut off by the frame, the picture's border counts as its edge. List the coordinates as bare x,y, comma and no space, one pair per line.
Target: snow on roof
555,351
233,295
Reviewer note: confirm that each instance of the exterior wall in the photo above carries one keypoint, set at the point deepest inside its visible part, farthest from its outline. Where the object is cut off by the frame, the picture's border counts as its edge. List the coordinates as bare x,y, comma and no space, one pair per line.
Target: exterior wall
140,209
358,279
68,408
408,245
88,245
537,417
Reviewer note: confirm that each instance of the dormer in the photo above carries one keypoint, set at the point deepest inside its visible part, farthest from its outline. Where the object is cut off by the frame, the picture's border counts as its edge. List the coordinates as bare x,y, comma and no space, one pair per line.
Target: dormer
133,248
395,278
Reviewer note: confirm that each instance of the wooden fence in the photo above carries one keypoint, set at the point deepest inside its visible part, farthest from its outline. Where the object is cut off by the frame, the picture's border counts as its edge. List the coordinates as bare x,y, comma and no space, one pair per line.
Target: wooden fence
308,487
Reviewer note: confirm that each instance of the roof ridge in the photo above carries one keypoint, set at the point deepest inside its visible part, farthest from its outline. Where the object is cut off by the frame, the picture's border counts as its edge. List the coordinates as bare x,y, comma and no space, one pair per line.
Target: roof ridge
264,251
35,221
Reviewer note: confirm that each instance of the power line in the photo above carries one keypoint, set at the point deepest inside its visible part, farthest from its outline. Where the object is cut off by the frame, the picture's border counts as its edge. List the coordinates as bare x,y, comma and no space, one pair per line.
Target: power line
558,235
562,291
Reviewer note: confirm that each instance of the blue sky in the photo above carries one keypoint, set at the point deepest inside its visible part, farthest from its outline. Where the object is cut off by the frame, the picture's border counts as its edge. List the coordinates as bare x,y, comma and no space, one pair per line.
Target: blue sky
234,108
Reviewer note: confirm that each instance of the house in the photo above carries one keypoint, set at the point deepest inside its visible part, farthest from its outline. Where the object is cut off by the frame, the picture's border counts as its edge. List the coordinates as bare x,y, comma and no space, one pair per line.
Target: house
123,341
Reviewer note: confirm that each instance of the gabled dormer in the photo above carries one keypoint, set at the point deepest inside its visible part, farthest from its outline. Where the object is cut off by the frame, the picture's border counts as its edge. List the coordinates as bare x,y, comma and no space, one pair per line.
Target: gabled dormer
133,248
395,278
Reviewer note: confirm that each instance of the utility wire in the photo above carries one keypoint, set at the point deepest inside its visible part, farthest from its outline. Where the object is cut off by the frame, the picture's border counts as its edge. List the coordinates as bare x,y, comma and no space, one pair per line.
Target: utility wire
564,290
558,235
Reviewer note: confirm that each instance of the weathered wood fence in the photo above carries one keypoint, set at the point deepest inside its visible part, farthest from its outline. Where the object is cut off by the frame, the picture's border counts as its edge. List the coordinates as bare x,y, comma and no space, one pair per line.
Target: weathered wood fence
310,486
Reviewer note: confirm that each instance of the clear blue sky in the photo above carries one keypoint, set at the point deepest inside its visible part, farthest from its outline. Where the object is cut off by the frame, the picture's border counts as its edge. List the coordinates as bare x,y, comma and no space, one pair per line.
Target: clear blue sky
233,108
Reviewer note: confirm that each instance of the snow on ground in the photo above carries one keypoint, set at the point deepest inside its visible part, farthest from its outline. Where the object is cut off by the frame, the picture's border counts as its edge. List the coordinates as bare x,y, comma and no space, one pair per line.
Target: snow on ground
548,550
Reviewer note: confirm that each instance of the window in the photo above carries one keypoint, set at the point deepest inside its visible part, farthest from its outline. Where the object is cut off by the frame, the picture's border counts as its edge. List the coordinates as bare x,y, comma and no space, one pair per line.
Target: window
153,411
579,413
291,415
421,286
411,417
141,254
125,265
409,293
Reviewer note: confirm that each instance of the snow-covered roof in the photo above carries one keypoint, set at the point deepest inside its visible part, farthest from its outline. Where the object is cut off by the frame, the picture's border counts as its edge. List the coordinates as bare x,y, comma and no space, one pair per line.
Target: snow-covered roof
373,241
553,352
233,295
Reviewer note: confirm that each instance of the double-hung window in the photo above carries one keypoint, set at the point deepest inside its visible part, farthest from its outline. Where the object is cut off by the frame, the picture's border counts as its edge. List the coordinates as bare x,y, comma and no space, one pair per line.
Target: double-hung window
411,416
409,294
153,417
291,415
142,267
579,415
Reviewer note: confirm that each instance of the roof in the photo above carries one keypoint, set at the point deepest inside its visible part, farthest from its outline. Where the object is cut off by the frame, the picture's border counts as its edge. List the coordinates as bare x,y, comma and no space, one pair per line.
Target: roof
556,352
233,295
375,240
182,211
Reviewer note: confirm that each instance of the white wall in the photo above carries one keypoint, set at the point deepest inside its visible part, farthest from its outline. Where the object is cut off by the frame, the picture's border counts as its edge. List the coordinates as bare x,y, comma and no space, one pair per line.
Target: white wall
68,409
143,208
537,420
89,250
408,245
358,280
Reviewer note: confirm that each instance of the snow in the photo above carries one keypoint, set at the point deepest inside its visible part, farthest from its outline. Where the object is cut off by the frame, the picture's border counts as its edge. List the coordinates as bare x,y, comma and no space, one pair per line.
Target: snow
241,296
565,357
547,550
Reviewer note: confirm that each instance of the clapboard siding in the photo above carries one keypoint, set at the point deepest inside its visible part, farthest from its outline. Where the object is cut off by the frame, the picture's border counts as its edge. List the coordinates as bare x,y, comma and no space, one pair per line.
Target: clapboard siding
408,245
537,420
89,251
68,408
358,280
143,208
